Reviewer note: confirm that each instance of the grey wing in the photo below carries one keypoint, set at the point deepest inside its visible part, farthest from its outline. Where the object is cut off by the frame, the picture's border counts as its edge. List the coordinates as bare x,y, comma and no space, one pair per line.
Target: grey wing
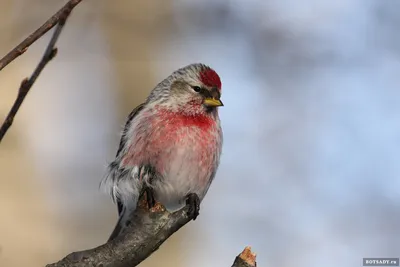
122,142
114,169
116,172
131,116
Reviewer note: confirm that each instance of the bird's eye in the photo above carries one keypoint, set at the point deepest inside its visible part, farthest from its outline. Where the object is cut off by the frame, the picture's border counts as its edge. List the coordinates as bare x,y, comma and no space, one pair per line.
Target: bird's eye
196,88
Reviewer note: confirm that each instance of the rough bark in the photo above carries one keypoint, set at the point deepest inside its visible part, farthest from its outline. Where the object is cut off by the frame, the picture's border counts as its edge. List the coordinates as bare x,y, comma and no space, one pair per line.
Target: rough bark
144,234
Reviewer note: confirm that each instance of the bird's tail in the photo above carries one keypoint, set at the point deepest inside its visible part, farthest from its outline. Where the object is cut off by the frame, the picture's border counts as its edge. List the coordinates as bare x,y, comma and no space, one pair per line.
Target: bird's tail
123,213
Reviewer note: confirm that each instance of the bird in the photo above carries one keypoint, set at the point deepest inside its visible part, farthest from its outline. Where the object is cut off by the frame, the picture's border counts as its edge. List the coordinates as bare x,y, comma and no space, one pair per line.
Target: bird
171,145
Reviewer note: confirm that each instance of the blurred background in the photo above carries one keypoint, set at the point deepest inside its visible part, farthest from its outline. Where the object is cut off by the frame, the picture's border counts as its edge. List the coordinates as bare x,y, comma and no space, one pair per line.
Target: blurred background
309,174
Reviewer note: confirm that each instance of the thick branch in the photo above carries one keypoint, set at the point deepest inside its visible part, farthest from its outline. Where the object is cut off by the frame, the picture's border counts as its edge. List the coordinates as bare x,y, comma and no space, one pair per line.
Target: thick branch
59,18
49,24
144,235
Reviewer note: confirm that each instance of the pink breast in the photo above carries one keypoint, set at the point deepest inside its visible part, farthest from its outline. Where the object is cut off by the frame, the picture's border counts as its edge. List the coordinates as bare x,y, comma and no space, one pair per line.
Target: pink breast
160,137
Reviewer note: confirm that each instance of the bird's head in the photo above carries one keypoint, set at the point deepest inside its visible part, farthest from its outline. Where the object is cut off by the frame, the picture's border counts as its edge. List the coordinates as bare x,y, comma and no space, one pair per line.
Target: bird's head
195,88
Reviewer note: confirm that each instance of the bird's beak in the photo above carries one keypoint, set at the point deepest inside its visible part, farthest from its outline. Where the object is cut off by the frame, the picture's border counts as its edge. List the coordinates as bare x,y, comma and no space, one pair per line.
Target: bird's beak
212,102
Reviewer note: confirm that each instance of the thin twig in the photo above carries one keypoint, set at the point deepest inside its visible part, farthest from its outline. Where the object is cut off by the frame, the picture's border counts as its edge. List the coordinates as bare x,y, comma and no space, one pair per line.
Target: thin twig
49,24
60,19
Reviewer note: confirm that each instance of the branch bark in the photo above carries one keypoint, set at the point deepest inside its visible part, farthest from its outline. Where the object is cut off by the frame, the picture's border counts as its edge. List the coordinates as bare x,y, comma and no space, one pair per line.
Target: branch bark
245,259
58,19
144,234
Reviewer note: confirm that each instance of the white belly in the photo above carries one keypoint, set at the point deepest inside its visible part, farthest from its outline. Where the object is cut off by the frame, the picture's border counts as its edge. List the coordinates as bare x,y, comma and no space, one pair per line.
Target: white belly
182,175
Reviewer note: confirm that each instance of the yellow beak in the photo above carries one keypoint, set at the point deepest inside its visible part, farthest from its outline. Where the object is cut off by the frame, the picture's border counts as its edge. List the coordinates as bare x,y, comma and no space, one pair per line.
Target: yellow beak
212,102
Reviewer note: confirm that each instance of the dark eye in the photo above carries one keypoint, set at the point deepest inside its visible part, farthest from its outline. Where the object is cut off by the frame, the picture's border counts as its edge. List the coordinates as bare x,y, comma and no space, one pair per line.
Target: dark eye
196,88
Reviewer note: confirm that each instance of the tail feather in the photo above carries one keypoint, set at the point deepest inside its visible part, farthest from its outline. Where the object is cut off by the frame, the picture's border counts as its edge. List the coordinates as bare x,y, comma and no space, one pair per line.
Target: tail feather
120,207
122,221
117,230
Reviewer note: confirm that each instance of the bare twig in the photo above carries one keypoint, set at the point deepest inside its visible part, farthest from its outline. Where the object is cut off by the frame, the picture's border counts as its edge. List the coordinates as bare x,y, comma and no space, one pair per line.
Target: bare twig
49,24
144,235
58,19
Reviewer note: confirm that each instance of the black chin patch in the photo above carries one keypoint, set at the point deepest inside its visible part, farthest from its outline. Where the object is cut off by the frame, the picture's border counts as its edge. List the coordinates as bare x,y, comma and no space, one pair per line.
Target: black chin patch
209,109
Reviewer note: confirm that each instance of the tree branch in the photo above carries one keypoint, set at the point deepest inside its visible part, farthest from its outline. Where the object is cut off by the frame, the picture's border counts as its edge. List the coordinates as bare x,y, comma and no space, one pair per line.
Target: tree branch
58,19
245,259
49,24
144,234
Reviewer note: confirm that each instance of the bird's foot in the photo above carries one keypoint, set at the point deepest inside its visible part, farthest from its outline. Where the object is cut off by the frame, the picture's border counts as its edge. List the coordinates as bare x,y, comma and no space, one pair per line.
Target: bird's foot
193,201
158,207
146,199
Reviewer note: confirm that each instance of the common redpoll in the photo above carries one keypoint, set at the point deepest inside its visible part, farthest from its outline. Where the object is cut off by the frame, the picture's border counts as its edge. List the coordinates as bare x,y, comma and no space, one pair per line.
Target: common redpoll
170,146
